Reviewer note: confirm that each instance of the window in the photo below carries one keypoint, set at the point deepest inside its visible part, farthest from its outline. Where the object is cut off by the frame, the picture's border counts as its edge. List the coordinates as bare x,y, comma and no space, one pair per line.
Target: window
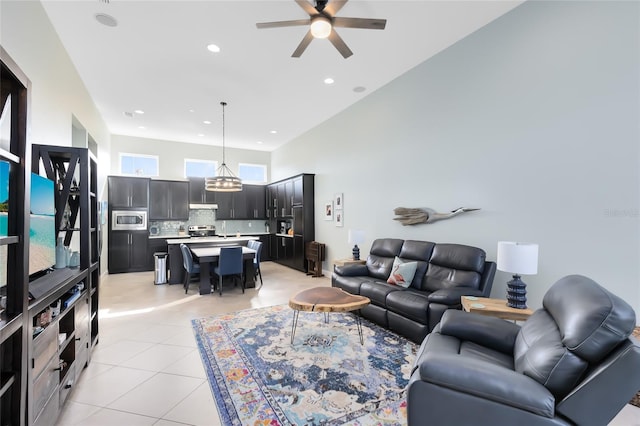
199,168
139,165
256,173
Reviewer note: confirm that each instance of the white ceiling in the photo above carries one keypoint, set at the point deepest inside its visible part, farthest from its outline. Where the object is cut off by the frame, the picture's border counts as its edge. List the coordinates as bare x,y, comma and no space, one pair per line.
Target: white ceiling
155,60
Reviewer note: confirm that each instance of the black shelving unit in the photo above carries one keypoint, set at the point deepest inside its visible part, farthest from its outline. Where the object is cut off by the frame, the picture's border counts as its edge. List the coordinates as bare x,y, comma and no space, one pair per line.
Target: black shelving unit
14,247
75,173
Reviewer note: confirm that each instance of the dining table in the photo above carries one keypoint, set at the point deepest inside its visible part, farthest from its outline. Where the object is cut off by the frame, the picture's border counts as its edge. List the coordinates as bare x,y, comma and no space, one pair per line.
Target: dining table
207,256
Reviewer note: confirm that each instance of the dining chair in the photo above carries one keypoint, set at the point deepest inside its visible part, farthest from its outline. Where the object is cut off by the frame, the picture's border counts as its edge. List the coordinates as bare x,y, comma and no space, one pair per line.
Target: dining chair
257,246
229,263
190,266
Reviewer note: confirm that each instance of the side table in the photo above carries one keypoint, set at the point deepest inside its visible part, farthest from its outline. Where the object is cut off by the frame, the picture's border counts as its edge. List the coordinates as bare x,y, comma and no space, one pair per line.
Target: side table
494,308
348,261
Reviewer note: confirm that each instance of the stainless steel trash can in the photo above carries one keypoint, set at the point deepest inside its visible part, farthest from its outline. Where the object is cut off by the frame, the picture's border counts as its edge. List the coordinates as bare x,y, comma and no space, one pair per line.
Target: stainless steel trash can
160,275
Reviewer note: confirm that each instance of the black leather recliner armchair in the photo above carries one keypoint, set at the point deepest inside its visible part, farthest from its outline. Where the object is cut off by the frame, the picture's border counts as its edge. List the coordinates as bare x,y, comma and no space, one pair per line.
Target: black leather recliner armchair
572,362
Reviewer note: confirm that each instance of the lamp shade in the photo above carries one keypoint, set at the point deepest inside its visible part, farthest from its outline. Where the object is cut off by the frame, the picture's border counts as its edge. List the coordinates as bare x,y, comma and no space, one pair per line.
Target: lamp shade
356,236
518,258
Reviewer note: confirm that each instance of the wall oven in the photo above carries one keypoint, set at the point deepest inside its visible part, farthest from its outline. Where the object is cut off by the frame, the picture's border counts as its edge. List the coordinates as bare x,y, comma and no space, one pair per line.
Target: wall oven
128,220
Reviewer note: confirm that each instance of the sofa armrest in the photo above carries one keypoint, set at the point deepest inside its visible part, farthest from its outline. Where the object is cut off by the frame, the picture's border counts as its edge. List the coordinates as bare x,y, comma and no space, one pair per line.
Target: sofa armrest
491,332
488,381
353,270
486,281
451,296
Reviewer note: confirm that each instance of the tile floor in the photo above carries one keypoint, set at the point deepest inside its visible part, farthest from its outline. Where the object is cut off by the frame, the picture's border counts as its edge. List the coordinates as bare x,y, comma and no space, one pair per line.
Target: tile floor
146,369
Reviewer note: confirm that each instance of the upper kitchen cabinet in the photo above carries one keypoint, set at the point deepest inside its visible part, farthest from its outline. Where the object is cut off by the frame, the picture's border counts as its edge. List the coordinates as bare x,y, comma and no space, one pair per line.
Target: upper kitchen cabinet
128,192
168,200
283,196
244,205
197,193
255,207
298,191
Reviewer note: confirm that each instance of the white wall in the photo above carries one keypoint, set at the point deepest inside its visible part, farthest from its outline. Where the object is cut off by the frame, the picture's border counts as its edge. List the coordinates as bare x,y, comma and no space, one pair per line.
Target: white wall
533,118
171,155
57,93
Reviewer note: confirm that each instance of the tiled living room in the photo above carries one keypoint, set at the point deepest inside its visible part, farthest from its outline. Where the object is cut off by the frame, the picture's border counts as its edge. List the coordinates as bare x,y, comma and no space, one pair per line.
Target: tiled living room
511,120
146,369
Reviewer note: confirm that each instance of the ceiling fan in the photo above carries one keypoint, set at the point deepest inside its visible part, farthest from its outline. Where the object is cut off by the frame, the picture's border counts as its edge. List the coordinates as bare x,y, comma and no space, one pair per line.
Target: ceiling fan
322,22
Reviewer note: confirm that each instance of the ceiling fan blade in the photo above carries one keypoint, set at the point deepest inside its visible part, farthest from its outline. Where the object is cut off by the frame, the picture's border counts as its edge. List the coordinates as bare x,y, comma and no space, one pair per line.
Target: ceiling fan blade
368,24
308,7
279,24
303,45
334,6
339,44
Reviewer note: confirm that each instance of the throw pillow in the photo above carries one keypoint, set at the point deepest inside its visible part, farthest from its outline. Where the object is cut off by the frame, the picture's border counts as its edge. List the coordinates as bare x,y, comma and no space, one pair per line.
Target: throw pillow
402,272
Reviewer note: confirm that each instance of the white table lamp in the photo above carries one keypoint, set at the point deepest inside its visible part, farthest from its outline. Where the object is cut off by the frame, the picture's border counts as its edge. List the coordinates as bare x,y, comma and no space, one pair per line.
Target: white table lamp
356,236
517,258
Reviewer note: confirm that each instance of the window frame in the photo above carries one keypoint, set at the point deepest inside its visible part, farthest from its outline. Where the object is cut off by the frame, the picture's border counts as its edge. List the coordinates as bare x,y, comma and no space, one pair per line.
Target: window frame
194,160
262,166
121,155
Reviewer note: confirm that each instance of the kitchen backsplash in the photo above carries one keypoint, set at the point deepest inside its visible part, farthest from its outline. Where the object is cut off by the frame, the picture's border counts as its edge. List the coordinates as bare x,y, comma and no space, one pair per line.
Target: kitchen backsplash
207,217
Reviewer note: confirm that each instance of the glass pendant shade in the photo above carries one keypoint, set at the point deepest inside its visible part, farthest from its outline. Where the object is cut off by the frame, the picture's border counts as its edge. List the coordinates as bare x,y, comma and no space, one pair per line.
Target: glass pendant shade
320,27
225,181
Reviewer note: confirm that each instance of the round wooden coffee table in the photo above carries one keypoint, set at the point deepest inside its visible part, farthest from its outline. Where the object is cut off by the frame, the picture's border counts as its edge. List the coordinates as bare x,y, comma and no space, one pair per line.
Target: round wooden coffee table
326,299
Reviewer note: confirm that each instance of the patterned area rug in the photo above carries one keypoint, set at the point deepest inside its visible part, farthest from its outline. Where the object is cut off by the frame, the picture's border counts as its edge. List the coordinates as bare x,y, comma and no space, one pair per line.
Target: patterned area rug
636,399
326,377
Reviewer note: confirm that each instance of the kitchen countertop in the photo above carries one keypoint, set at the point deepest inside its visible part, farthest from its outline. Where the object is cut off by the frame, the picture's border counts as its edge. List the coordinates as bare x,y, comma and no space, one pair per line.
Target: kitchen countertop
242,234
216,239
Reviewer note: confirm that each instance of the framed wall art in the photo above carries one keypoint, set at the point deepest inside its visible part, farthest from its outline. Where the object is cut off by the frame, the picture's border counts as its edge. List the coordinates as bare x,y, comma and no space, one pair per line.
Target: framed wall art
339,218
338,201
328,210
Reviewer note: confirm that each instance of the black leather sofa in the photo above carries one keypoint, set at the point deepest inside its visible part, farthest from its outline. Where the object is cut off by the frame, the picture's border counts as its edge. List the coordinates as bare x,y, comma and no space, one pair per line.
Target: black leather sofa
444,272
572,362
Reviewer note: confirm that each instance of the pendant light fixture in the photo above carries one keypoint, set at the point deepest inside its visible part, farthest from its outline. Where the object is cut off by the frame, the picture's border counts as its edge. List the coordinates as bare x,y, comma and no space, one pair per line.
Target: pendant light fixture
225,181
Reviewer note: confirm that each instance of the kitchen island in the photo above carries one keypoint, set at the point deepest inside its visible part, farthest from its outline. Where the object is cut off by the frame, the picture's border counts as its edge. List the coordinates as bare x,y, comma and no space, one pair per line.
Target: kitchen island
176,269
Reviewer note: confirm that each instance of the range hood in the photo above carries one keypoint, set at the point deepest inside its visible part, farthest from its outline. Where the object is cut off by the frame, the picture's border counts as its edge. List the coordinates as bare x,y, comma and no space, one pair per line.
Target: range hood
195,206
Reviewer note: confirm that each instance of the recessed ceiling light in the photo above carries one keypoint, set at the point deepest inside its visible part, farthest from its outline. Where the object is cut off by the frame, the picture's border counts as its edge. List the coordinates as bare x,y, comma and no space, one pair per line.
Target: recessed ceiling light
201,134
107,20
213,48
139,111
141,127
329,80
192,110
273,132
259,142
206,122
359,89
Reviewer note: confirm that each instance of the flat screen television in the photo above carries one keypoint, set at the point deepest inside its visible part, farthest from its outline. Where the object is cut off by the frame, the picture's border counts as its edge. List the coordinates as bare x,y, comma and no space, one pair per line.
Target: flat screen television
42,232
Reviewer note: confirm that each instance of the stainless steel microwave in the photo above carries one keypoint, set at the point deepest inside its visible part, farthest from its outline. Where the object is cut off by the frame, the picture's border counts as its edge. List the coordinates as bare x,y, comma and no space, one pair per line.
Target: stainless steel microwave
128,220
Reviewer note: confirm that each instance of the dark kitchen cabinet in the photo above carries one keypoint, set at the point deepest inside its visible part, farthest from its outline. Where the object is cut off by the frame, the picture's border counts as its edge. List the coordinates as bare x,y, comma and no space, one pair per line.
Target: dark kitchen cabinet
168,200
255,207
271,194
284,198
298,192
285,250
128,192
244,205
128,251
291,200
197,193
224,200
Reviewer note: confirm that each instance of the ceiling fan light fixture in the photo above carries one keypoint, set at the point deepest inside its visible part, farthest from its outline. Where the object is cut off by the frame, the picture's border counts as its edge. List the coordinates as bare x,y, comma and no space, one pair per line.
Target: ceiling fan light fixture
225,180
320,26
